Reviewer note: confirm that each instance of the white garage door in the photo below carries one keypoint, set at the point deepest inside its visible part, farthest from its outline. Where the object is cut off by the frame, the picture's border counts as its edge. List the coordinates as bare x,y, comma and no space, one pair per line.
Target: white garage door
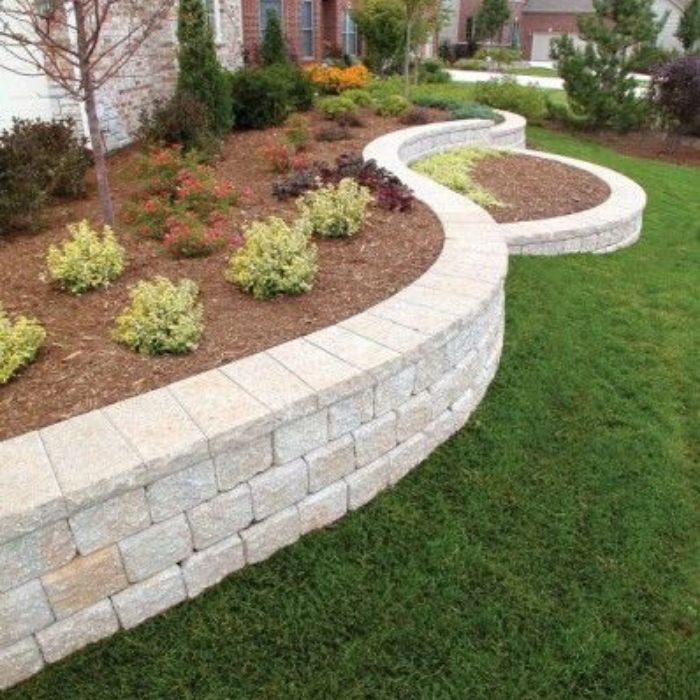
542,44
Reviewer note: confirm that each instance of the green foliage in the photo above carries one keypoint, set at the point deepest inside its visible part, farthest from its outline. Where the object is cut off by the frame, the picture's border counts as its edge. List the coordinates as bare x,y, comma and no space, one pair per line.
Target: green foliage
454,168
276,258
336,107
381,24
295,84
689,26
87,260
432,71
273,50
474,110
163,317
526,100
200,74
298,134
260,98
20,341
362,98
492,15
392,106
598,78
336,211
435,101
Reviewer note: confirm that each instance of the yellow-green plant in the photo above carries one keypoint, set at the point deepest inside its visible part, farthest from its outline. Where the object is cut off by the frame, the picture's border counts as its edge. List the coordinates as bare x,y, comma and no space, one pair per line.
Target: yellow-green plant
392,106
362,98
87,260
454,168
336,211
20,341
163,317
276,258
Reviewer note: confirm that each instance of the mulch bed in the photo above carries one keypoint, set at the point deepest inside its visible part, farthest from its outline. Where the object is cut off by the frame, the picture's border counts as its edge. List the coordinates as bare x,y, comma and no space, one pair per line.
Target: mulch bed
80,368
535,188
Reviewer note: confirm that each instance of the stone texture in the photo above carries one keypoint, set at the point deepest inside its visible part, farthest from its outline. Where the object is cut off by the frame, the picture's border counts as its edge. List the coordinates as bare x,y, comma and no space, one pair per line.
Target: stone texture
375,439
394,391
23,610
111,521
207,568
366,483
298,437
446,390
330,463
221,516
152,550
323,508
264,539
349,414
431,368
279,487
393,335
19,662
408,455
32,555
181,491
148,598
85,627
86,580
29,492
240,464
413,416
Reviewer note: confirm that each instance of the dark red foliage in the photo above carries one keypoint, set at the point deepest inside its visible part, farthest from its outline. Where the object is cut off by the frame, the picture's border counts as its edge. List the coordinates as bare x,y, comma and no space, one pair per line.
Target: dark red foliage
675,91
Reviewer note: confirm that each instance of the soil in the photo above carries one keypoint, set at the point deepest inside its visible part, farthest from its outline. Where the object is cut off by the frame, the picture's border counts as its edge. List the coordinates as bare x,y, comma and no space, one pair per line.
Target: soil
535,188
80,368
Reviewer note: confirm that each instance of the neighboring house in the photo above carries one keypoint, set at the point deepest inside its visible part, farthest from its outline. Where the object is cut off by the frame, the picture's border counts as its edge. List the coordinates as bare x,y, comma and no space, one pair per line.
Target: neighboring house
461,27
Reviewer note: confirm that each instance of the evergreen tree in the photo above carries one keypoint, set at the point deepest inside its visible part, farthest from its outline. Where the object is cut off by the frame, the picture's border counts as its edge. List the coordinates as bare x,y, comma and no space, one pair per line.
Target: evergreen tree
491,17
201,74
689,28
598,78
273,50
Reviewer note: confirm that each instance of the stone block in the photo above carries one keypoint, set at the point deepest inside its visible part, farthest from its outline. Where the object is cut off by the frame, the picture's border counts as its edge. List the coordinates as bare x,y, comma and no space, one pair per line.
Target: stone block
23,610
392,335
181,491
431,368
330,463
210,566
156,548
348,414
300,436
73,633
85,581
240,464
407,456
18,662
111,521
278,487
413,415
222,516
150,597
364,484
375,439
265,538
323,508
446,390
394,391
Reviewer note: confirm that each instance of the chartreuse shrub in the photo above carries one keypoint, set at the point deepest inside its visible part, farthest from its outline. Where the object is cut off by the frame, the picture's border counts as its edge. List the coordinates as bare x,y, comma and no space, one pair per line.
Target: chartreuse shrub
393,106
527,100
20,341
276,258
453,169
336,107
87,260
336,211
362,98
163,317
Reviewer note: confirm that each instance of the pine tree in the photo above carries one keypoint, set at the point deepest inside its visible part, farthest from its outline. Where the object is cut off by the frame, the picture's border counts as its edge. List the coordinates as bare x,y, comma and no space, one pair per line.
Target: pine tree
689,28
201,74
491,17
273,50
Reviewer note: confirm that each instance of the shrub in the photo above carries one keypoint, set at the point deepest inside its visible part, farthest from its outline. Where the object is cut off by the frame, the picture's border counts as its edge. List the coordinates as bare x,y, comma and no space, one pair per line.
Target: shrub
334,79
362,98
182,120
20,341
297,133
675,92
334,132
526,100
187,236
299,89
86,261
392,106
416,115
382,26
276,258
475,111
260,97
432,71
336,108
163,317
336,211
273,49
296,183
435,102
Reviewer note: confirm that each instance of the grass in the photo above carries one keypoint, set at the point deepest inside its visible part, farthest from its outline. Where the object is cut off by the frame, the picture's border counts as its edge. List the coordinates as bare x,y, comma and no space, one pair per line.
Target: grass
549,550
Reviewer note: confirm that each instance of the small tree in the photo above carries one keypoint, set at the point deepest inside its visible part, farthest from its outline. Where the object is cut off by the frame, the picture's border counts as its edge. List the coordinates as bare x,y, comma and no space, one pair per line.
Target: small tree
491,17
689,27
65,42
273,50
381,24
201,74
419,18
598,78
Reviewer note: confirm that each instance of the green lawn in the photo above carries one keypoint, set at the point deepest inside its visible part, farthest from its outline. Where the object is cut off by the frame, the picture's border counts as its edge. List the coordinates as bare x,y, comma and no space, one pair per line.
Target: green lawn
550,550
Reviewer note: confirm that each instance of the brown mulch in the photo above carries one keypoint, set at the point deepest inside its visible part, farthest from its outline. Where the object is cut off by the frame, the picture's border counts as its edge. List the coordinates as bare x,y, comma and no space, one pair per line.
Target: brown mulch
535,188
80,368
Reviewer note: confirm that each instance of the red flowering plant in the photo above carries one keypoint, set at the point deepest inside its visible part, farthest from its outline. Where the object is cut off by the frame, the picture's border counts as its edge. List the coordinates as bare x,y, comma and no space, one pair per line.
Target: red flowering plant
187,236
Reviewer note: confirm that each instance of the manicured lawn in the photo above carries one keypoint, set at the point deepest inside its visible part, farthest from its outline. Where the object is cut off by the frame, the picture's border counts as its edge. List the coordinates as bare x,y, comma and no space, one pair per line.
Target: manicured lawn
550,550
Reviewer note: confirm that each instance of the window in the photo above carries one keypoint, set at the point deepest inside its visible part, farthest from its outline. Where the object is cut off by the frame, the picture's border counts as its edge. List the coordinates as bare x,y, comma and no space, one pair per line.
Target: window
267,6
349,33
306,27
214,18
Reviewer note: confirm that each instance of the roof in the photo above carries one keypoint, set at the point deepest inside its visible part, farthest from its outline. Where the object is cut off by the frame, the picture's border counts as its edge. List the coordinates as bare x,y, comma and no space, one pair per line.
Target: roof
569,7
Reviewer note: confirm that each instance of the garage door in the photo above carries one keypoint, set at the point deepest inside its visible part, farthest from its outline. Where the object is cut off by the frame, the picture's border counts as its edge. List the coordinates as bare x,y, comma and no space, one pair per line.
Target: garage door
542,45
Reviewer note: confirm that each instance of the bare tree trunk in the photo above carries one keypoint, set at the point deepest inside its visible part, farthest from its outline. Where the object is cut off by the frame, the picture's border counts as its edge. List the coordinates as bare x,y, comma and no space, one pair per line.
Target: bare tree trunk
407,59
98,148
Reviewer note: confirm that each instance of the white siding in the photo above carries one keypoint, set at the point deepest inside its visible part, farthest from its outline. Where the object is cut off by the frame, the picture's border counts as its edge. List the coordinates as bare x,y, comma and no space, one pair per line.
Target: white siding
667,37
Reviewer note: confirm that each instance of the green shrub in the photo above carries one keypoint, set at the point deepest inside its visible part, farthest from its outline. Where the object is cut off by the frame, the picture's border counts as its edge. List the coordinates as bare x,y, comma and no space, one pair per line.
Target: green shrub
276,258
298,134
527,100
336,211
296,84
336,107
260,97
273,50
393,106
432,71
360,97
474,110
435,102
163,317
86,261
20,341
